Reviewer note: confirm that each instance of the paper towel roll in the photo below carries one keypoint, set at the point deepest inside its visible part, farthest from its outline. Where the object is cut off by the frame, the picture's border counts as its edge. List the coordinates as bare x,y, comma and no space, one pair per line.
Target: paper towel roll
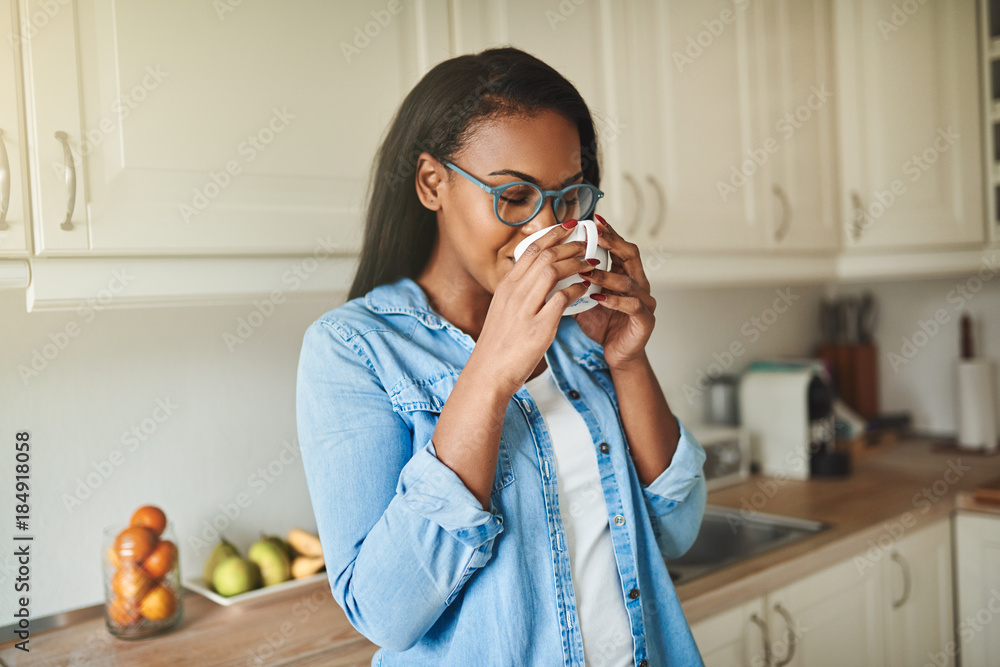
978,426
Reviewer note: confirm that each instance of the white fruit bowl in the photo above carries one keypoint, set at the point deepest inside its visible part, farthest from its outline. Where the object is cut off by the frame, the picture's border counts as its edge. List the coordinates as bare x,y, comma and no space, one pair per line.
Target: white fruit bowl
199,586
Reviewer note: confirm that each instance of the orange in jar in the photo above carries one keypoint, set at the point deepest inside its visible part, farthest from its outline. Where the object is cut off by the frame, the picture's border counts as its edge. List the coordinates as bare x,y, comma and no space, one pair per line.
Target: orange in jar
131,582
159,604
135,543
162,560
150,516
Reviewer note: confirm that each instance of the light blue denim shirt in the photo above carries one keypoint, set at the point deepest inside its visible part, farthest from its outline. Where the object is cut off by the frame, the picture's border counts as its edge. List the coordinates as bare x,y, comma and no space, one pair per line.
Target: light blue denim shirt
415,562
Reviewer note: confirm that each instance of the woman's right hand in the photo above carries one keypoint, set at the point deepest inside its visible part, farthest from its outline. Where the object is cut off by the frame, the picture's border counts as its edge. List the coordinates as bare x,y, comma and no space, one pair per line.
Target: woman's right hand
520,325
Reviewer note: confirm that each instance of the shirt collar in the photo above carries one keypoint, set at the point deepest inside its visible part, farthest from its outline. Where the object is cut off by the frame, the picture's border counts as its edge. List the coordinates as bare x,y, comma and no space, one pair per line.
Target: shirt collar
404,297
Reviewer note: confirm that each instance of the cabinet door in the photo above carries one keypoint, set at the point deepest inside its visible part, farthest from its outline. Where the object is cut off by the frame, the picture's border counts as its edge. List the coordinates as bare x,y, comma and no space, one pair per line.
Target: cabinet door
833,617
917,597
707,128
796,75
977,564
734,637
14,208
910,160
581,42
215,128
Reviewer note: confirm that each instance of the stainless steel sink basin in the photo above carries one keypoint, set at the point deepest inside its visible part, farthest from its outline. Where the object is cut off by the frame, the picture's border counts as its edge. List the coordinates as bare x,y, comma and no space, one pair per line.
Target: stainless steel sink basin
727,537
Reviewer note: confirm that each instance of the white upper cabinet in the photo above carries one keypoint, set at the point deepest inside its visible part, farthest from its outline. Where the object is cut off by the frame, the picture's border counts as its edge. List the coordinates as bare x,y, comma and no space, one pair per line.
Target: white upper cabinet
909,129
799,202
225,128
14,205
695,67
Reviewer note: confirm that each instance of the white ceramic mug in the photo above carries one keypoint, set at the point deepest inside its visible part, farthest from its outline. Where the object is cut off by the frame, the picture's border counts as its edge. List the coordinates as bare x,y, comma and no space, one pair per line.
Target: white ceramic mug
585,230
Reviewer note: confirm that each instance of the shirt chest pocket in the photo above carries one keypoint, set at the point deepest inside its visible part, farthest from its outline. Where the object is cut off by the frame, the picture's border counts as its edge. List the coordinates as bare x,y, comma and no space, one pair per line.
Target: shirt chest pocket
420,401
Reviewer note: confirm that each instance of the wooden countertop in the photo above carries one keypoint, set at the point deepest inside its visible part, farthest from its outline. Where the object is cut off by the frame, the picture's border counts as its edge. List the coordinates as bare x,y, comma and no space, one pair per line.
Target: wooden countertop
306,627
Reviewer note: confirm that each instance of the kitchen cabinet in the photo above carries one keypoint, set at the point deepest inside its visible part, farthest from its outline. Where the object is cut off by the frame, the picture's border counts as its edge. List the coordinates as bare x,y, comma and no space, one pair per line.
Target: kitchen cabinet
739,636
909,135
888,605
917,597
977,564
246,137
799,201
695,63
14,206
831,617
685,103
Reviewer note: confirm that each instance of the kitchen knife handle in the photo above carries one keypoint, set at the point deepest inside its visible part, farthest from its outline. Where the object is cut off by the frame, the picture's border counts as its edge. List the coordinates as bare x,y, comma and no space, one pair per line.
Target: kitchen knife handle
896,604
790,632
63,138
765,633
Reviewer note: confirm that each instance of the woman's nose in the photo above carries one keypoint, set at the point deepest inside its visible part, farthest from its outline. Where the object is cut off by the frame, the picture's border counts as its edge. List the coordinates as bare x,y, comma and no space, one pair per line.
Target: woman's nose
545,218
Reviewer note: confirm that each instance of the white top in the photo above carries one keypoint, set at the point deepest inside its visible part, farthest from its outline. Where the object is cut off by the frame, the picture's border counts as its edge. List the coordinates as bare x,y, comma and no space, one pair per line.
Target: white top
600,599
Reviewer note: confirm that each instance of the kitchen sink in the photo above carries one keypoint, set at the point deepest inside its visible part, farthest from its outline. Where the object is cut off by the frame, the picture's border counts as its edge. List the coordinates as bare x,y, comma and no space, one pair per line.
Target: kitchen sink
728,536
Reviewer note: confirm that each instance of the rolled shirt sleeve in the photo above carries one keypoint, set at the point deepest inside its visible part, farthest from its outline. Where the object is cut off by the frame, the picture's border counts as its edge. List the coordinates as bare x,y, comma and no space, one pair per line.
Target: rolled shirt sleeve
676,499
401,533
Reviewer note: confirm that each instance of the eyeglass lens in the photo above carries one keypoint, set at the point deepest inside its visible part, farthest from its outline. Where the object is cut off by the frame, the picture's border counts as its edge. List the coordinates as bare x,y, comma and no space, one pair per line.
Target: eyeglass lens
517,203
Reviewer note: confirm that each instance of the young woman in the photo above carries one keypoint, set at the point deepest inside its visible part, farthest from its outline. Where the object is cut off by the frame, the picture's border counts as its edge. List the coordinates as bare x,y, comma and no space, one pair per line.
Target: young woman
495,483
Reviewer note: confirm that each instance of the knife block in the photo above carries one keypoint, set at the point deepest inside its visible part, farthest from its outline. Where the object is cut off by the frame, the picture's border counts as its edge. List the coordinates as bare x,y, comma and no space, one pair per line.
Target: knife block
855,374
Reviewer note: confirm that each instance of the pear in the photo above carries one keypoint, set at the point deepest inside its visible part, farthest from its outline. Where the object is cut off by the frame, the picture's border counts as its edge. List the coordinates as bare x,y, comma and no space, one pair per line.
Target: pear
222,550
285,546
235,575
272,561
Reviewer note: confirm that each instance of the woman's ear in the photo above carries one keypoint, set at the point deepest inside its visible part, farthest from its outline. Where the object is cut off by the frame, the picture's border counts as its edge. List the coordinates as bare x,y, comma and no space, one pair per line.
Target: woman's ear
431,181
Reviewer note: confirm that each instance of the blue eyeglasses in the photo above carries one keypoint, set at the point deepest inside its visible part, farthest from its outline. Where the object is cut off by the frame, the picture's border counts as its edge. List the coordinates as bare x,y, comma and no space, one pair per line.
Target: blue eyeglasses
518,202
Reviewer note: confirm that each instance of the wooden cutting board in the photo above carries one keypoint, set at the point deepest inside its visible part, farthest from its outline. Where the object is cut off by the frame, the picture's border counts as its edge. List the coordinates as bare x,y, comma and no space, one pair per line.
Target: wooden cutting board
988,492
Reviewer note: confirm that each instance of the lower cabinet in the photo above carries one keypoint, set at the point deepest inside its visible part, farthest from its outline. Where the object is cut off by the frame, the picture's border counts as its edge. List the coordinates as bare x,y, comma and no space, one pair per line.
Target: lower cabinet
890,605
738,636
977,567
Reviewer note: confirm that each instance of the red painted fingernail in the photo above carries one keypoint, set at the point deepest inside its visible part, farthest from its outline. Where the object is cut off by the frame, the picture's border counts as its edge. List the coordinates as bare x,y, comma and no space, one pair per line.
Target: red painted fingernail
569,224
586,283
600,233
587,273
602,220
598,297
594,261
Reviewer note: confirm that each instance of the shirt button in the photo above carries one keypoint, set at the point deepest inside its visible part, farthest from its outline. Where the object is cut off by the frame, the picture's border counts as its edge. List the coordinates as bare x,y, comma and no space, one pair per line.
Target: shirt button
642,663
633,594
574,394
604,448
619,520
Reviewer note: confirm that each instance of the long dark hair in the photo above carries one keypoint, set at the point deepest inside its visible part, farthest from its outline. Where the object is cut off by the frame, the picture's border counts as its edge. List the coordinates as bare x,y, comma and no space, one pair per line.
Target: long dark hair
437,116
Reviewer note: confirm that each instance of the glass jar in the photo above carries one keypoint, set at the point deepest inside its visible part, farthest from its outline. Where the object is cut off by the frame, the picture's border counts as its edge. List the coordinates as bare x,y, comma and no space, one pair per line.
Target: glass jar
142,581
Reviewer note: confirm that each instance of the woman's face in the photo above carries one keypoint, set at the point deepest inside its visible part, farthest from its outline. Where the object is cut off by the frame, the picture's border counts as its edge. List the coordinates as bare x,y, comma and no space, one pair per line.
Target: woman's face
543,149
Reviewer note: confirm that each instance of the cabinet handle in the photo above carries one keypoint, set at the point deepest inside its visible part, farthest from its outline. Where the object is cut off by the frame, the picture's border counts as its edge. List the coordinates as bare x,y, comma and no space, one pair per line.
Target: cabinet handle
661,203
786,213
639,205
856,229
4,184
63,138
896,604
790,631
765,634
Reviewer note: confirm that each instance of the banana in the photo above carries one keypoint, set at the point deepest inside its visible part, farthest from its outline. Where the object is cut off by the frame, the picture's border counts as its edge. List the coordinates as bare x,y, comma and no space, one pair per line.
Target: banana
305,543
304,566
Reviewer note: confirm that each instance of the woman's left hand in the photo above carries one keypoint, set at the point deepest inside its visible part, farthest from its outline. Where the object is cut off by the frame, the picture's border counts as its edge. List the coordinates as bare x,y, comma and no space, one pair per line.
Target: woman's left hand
623,322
